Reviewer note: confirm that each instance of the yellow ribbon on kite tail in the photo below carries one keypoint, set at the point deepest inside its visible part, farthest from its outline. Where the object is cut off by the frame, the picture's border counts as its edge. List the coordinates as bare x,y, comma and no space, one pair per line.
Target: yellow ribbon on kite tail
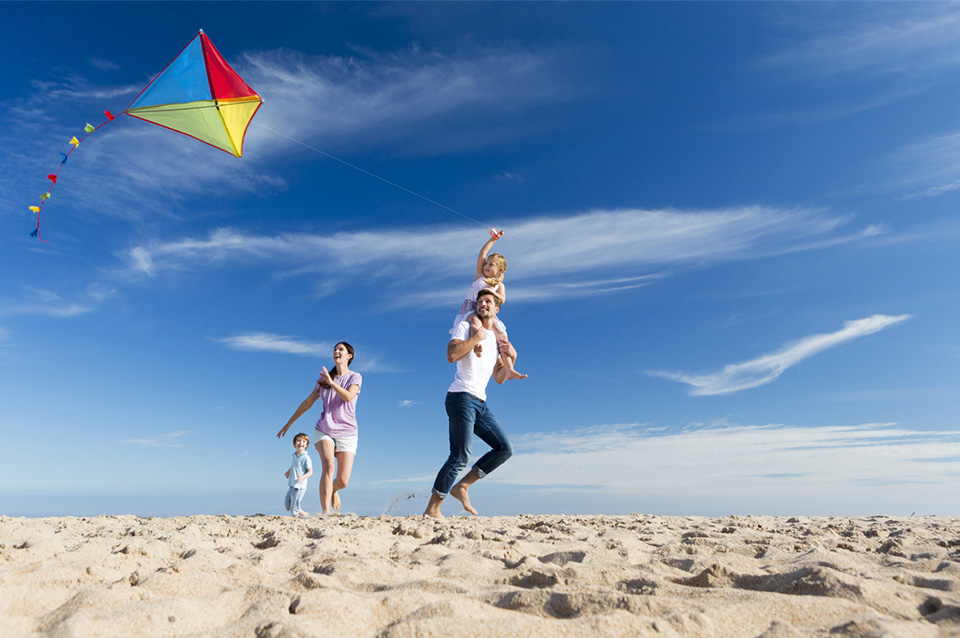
89,129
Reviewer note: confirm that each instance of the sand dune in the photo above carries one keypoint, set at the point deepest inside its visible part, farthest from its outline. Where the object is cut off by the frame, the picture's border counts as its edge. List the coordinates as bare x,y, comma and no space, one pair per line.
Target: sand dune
276,577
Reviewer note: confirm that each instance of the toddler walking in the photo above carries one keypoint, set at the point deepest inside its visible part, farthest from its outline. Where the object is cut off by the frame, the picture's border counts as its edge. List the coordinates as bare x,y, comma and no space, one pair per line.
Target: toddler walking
300,469
490,269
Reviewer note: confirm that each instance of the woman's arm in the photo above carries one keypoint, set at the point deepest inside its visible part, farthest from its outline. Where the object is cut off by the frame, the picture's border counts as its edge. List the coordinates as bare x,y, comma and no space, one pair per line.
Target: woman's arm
348,394
304,406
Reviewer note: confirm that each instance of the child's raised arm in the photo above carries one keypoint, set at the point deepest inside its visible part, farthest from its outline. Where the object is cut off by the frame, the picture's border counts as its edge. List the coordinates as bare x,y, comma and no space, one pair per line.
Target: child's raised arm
482,258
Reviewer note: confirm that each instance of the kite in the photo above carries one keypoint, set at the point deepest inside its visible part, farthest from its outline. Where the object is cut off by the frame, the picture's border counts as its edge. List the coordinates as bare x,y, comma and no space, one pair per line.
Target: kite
198,94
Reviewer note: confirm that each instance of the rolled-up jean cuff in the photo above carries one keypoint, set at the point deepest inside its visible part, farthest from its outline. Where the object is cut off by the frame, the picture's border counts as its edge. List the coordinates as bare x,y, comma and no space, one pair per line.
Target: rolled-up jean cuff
438,494
479,472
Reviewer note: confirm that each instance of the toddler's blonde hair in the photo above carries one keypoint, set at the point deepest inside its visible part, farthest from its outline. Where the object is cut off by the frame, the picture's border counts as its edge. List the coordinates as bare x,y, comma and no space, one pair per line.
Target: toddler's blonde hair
500,261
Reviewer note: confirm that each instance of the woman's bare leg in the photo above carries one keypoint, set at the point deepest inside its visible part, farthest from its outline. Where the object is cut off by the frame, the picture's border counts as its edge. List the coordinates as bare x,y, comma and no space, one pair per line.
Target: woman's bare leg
344,469
325,449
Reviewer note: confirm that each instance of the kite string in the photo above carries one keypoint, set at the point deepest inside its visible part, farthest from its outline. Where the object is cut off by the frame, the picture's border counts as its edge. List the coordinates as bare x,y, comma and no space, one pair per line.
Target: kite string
366,172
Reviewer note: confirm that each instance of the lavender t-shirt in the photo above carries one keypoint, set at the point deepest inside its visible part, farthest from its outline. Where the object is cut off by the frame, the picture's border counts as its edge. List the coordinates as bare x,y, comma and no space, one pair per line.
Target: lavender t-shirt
339,418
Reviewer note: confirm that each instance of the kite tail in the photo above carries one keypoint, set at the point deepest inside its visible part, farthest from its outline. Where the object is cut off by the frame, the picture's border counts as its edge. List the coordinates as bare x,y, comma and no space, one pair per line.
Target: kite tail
89,130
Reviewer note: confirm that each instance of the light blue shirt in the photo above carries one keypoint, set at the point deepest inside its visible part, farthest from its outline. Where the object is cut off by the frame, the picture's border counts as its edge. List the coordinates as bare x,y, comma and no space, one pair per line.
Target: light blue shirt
301,465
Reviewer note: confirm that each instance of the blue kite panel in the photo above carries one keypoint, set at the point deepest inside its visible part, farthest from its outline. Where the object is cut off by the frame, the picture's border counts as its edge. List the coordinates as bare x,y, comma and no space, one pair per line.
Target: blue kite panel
184,80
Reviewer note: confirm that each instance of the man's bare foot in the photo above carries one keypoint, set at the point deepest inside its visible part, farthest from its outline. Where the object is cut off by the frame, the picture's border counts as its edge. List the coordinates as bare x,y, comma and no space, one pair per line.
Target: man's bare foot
335,502
459,492
433,507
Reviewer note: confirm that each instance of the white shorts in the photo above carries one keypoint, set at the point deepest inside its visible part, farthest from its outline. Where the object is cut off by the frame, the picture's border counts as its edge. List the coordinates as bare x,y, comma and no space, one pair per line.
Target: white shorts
342,444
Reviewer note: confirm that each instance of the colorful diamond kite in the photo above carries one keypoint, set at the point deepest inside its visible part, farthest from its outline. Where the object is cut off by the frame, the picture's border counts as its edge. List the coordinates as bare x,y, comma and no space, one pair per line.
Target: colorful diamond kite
197,94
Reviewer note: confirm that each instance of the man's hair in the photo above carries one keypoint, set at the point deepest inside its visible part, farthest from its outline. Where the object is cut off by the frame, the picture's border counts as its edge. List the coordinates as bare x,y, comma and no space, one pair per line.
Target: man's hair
301,435
487,291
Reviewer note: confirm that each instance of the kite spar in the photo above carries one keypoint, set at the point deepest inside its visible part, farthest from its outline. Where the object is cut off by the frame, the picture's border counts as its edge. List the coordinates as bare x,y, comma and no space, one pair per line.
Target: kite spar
198,94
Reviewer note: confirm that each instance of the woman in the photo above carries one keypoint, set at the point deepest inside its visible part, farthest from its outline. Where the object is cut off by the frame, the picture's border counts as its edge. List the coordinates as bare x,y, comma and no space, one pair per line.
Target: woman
336,431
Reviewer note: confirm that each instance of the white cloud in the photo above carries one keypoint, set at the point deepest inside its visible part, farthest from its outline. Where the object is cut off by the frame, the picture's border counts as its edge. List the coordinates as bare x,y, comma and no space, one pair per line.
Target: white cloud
161,440
586,254
42,302
929,167
407,479
266,342
888,51
284,344
406,403
471,99
879,39
768,367
782,469
104,65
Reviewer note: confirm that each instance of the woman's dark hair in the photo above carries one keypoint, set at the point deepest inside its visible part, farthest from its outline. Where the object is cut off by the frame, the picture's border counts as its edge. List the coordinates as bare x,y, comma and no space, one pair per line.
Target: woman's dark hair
333,369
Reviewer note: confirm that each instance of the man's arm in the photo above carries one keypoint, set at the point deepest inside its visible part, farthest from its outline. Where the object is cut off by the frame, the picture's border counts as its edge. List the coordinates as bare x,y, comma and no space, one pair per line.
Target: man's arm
458,349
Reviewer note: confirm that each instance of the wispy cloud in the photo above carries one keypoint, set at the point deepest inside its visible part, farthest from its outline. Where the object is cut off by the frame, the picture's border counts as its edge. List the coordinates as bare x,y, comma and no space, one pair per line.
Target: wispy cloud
820,112
266,342
865,469
407,479
929,167
406,403
161,440
42,302
587,254
888,51
465,100
284,344
104,65
767,368
879,39
468,99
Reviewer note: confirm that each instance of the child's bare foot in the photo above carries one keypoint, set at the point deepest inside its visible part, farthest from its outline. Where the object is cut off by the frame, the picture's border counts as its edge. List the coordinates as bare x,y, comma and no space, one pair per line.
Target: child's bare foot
304,514
513,374
335,502
459,492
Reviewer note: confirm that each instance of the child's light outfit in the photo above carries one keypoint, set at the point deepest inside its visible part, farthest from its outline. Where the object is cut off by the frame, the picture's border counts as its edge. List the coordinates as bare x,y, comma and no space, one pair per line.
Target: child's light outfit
300,465
469,305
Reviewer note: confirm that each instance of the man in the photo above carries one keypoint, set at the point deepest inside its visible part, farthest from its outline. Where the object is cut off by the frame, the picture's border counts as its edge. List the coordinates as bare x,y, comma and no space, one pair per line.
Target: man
477,357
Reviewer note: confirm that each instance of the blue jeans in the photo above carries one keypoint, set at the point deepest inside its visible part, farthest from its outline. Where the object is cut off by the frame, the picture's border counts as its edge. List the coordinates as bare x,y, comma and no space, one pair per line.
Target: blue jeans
292,501
469,415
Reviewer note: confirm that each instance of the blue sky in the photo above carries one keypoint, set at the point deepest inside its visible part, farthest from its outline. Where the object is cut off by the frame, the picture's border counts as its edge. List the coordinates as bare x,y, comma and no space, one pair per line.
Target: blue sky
731,236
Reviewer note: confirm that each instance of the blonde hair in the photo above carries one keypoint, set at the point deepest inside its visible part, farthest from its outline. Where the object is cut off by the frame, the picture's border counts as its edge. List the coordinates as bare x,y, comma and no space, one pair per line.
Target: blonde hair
501,261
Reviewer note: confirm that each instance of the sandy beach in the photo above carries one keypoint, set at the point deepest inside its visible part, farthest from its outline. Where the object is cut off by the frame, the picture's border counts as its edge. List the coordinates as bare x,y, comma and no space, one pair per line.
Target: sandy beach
637,575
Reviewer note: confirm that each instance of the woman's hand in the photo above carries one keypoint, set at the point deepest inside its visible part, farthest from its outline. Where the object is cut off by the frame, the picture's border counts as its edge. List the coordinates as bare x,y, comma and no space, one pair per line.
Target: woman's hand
325,375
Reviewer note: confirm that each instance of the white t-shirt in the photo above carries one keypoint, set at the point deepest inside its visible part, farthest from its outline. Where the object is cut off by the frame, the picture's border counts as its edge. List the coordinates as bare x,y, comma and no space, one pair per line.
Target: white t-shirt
473,372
